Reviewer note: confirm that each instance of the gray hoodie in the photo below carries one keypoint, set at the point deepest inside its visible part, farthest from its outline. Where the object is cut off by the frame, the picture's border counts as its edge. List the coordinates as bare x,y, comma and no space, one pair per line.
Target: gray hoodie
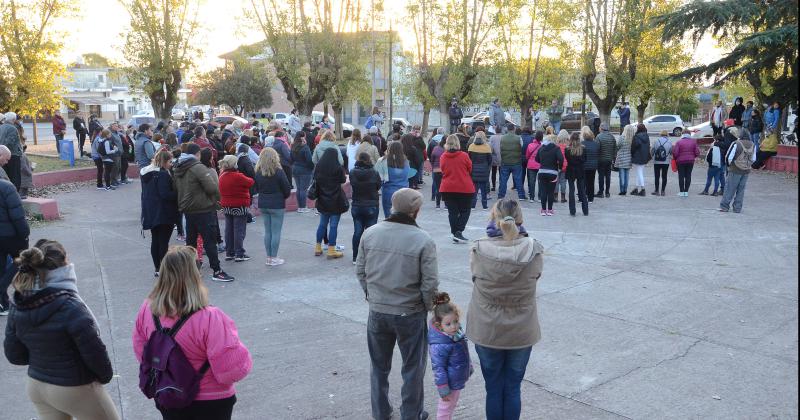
497,117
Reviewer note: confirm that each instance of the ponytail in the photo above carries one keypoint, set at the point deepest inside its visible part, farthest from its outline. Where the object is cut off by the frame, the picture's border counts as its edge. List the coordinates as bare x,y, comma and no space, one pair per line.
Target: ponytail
507,215
509,227
442,307
35,262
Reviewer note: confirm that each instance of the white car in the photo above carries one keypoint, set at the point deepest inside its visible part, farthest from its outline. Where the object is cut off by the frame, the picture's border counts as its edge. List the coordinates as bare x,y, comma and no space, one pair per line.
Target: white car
316,118
178,114
281,117
700,131
481,116
673,124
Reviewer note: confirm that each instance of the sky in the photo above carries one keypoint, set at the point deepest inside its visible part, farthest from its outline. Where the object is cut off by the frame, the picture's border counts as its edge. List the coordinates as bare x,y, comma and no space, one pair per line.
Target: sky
98,27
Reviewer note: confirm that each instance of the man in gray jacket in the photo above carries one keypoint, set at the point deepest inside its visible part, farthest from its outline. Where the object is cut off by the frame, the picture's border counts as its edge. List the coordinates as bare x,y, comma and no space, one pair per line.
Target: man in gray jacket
397,269
9,137
143,148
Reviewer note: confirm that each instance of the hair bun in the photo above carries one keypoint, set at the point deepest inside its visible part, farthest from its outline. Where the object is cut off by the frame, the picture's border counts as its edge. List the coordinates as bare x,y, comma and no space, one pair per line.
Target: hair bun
441,298
30,258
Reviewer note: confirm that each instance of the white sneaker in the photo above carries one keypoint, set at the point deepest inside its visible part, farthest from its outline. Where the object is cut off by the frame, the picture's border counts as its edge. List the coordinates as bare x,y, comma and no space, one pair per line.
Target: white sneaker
340,247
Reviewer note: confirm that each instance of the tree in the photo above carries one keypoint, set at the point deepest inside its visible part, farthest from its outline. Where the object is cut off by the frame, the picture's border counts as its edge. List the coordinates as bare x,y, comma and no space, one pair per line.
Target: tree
612,38
245,85
765,36
96,60
448,36
32,74
311,47
159,48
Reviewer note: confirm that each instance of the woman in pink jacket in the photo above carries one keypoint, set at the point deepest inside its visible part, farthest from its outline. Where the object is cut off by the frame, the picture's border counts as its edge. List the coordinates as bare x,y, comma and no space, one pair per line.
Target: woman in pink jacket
533,166
207,335
685,152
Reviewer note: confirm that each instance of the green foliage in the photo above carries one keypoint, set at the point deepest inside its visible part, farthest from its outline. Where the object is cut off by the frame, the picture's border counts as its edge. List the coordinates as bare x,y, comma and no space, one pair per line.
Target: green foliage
96,60
765,36
31,72
244,85
681,102
159,48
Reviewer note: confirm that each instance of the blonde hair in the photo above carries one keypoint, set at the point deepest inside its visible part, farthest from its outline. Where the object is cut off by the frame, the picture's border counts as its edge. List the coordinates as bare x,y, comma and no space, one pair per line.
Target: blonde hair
162,157
550,130
268,162
552,139
179,290
628,132
563,136
452,143
106,133
586,133
507,215
663,133
328,135
35,262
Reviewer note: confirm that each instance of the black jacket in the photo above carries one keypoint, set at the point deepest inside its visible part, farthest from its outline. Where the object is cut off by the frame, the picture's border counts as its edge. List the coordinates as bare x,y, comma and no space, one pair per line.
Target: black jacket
159,199
549,157
455,114
727,141
640,149
12,215
736,114
591,154
757,124
481,166
330,196
79,125
54,333
575,164
365,183
272,190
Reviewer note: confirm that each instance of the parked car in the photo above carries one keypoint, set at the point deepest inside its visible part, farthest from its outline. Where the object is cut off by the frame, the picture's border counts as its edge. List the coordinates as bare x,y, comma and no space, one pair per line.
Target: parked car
404,123
700,131
139,119
281,117
178,114
316,118
479,120
572,121
672,123
227,119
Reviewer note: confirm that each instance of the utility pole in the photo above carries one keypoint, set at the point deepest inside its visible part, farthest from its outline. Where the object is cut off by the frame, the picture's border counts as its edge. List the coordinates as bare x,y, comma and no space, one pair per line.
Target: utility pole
373,69
583,76
391,92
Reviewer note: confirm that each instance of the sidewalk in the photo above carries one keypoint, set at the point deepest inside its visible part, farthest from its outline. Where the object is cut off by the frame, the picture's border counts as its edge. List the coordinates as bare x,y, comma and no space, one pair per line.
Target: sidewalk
651,307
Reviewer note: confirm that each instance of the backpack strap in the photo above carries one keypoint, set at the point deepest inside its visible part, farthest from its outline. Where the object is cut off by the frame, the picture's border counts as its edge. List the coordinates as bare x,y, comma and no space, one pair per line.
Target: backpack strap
175,328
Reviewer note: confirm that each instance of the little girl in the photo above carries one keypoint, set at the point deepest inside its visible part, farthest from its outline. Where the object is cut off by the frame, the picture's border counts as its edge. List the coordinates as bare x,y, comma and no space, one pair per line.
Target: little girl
449,354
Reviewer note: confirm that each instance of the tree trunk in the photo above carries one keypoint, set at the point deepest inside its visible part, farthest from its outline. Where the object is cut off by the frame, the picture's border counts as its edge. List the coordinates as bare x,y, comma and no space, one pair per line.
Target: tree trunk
444,118
426,116
604,110
337,115
35,132
640,108
525,111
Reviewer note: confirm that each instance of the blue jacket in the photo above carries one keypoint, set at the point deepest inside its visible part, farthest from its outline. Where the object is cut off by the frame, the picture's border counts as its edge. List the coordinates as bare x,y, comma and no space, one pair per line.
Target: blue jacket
449,360
624,116
159,199
12,216
771,118
301,162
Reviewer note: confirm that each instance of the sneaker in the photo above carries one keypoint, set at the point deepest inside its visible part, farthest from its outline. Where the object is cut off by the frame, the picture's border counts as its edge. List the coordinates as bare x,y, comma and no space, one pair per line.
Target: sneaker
542,212
724,210
438,207
101,187
531,200
486,209
110,188
155,274
222,276
229,257
124,181
680,194
340,247
453,237
3,311
275,261
551,213
242,258
622,193
461,237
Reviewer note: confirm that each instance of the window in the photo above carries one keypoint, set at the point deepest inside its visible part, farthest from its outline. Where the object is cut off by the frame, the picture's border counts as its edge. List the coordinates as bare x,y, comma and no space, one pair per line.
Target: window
663,118
101,78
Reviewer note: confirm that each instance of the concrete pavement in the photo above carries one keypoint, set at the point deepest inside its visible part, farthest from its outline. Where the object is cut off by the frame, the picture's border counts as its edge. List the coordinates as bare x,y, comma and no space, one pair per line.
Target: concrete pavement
651,307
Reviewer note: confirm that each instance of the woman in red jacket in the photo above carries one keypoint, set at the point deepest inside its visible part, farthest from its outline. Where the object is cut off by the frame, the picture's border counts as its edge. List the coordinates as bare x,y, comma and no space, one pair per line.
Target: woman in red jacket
234,190
456,188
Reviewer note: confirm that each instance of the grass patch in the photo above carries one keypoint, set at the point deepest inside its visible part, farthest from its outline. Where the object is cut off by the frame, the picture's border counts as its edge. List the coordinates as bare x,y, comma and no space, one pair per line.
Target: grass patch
49,164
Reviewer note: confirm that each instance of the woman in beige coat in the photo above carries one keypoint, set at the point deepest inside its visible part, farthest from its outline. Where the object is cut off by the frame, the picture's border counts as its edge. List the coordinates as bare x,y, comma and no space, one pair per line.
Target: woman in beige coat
502,319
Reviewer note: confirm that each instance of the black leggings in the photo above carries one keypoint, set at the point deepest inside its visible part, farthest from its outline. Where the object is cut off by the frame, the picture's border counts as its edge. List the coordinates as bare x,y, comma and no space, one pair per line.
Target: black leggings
494,177
159,243
81,141
201,410
98,163
581,190
459,206
685,176
123,169
108,167
547,189
588,176
660,172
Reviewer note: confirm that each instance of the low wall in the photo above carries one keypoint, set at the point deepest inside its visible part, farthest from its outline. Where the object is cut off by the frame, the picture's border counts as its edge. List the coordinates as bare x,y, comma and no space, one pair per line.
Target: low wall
45,179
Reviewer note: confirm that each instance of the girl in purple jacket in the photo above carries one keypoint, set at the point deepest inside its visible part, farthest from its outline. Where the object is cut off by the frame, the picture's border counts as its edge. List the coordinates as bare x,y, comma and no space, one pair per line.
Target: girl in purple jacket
449,354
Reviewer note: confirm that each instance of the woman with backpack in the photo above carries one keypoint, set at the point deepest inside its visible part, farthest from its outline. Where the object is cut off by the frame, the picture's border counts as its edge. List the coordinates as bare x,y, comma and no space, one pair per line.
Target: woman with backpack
52,331
575,155
159,205
661,151
550,160
685,152
204,346
640,155
739,157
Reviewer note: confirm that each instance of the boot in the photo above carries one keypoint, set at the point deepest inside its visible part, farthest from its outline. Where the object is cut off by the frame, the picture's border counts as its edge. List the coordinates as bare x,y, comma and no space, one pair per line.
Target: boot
635,191
318,249
563,197
642,193
333,253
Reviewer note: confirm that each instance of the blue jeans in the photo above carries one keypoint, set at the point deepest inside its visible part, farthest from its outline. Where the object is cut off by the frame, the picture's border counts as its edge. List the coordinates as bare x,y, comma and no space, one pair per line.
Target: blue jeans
302,182
713,173
516,172
556,127
723,172
363,217
532,174
324,220
483,187
623,179
756,138
736,185
386,199
503,371
273,223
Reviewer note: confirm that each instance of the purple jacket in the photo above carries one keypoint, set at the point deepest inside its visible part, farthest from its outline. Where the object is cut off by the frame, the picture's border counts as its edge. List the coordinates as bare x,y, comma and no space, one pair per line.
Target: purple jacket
685,150
449,360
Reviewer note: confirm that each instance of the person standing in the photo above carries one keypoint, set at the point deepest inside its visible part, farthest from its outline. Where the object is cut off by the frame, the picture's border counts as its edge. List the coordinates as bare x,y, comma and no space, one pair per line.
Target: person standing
608,150
302,168
327,141
107,150
591,156
374,120
623,159
52,331
481,156
457,188
747,115
455,115
414,157
737,111
366,184
740,158
624,115
497,117
510,162
59,129
293,123
331,201
640,156
198,198
550,160
502,319
14,232
554,114
661,152
685,152
207,336
397,269
273,189
532,166
9,137
756,127
159,205
143,148
116,157
714,159
234,191
281,145
367,146
575,155
716,118
79,125
352,146
494,143
562,140
436,170
395,172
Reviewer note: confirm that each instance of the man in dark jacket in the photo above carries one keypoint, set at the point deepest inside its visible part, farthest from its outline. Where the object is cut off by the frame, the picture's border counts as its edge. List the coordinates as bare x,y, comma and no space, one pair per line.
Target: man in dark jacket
9,137
455,114
79,125
14,232
365,184
511,162
624,116
198,197
608,151
591,154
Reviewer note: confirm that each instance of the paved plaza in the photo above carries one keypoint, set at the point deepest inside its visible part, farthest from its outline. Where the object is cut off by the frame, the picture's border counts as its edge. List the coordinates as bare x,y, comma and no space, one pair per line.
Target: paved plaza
651,307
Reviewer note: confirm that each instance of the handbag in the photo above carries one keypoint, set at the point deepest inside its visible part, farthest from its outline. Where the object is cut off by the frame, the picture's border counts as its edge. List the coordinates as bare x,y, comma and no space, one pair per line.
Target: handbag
312,192
674,165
